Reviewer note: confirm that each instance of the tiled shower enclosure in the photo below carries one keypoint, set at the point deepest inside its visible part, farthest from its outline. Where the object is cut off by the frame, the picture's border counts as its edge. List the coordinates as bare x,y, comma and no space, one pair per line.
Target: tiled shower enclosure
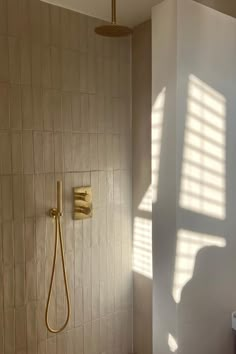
64,114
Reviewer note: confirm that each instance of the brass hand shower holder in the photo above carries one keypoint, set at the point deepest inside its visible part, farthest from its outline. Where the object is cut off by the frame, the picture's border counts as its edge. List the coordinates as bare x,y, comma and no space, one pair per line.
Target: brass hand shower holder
56,214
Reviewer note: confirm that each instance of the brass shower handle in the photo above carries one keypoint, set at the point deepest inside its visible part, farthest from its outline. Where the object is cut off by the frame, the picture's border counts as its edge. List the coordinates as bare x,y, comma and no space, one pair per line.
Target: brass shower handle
82,196
83,210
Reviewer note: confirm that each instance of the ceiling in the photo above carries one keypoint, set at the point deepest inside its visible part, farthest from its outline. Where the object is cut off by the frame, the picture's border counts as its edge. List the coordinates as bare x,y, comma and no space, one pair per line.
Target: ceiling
132,12
129,12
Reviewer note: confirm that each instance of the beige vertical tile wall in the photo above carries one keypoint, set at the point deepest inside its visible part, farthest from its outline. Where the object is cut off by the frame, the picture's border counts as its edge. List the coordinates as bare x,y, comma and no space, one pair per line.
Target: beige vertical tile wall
64,114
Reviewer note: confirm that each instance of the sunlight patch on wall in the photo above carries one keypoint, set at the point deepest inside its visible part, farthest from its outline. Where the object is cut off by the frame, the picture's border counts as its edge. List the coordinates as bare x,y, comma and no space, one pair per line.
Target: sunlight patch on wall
188,245
142,247
157,122
203,171
173,346
146,203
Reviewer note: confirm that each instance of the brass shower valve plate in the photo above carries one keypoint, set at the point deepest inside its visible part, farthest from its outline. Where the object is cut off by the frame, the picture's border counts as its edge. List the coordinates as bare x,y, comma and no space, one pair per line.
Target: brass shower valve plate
82,203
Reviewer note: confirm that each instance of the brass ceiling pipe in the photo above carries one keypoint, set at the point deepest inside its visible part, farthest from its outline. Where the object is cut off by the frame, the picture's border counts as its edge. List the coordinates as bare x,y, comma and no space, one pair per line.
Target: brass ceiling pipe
113,12
113,30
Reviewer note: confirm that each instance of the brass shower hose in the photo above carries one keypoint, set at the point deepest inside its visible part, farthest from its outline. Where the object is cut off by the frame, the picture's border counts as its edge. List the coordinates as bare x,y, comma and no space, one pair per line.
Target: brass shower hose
57,217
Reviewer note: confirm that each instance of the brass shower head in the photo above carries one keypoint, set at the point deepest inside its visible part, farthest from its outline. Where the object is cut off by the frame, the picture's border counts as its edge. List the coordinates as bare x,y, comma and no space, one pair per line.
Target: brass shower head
113,30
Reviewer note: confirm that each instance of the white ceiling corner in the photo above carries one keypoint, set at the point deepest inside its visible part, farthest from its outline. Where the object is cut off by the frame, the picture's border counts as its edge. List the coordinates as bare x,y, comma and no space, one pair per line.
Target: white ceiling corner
129,12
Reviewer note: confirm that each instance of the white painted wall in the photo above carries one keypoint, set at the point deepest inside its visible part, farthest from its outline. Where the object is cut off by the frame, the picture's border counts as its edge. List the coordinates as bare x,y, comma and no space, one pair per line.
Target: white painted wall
194,237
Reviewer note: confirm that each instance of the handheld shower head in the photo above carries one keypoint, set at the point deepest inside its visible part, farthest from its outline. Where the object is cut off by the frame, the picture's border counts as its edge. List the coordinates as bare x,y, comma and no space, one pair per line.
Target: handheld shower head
113,30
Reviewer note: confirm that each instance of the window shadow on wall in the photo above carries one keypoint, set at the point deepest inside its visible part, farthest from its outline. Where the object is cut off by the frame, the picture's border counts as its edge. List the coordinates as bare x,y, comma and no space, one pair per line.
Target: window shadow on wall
194,269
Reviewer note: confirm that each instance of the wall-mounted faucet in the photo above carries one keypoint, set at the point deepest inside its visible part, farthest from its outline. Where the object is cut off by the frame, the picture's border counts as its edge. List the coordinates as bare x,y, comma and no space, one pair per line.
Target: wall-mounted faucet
82,203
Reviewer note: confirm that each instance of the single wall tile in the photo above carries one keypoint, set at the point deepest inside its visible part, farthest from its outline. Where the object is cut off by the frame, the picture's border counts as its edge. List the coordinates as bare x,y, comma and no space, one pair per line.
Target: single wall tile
100,75
4,69
101,152
84,113
45,23
39,194
41,328
51,345
93,143
79,340
100,113
74,29
29,201
61,343
76,111
49,191
31,327
41,283
56,67
37,108
116,151
58,144
107,76
14,60
35,20
36,64
15,107
8,286
5,153
27,109
28,158
46,67
70,70
84,72
4,106
68,191
96,336
21,340
3,16
30,247
103,335
68,152
18,197
13,19
17,158
65,28
38,152
7,211
56,110
67,111
70,342
91,73
55,25
19,240
47,110
48,149
25,62
87,338
30,289
24,15
109,151
93,122
9,333
83,30
20,285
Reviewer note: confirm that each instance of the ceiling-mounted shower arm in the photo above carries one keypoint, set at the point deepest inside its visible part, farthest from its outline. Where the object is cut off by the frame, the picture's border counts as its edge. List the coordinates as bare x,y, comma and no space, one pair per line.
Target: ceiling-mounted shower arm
112,29
113,12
